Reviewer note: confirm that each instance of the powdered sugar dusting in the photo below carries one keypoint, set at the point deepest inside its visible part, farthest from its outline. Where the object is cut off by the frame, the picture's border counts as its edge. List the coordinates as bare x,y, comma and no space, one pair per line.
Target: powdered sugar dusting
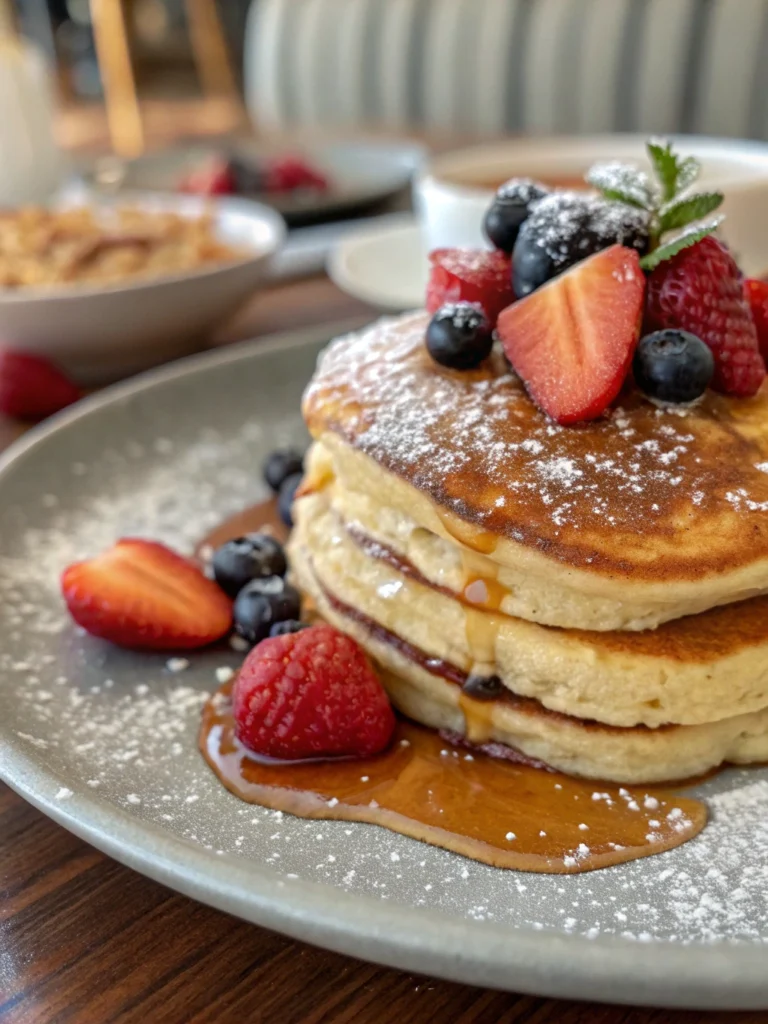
120,728
476,443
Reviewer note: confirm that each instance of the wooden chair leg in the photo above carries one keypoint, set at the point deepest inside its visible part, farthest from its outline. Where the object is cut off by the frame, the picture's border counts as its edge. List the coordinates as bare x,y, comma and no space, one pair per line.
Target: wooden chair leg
209,49
110,30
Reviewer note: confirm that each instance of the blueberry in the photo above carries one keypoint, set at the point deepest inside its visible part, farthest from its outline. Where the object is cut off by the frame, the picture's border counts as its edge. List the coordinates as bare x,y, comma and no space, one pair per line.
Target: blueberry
245,558
483,687
248,177
509,209
280,465
263,602
673,366
286,496
566,227
289,626
459,336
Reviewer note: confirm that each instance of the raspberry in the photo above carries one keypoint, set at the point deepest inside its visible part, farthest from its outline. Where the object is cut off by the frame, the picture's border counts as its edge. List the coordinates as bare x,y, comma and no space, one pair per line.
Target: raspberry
470,275
756,293
311,694
700,290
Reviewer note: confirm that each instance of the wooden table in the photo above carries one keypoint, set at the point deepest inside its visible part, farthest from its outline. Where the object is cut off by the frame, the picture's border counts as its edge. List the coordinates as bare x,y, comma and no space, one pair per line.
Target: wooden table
84,940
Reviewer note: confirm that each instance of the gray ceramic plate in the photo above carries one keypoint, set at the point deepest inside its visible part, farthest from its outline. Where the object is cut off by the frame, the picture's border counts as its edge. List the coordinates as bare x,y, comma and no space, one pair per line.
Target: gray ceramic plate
361,173
103,741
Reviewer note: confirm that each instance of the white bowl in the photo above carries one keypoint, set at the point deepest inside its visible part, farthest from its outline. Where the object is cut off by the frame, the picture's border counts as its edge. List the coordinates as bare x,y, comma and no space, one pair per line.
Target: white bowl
97,333
451,213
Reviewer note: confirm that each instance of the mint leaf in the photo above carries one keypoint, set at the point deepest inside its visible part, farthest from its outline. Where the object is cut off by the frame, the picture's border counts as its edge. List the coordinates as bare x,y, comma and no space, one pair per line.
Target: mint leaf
682,211
622,183
688,171
665,167
676,245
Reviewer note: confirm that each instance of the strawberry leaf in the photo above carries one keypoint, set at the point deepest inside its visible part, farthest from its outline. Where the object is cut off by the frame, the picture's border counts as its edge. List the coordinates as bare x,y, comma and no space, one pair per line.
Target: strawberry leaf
682,211
676,245
622,183
665,166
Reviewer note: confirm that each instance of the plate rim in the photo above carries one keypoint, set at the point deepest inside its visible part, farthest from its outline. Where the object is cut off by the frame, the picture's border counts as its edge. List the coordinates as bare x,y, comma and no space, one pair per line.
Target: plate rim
717,975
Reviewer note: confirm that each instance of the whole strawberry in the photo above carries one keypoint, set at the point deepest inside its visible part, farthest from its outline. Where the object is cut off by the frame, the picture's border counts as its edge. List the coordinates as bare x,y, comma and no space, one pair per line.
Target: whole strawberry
31,387
311,694
700,290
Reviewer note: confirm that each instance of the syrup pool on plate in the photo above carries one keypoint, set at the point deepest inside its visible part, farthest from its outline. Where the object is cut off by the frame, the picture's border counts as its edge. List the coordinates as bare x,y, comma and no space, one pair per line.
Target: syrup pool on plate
459,797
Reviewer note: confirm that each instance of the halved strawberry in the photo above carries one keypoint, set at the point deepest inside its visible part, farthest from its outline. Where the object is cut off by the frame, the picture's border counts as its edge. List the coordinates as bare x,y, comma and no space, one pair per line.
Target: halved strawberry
470,275
572,340
142,594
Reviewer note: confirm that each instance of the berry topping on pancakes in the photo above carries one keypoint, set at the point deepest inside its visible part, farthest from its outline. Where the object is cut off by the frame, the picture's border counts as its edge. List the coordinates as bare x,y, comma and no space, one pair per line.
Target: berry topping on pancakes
509,209
700,290
470,275
572,341
459,336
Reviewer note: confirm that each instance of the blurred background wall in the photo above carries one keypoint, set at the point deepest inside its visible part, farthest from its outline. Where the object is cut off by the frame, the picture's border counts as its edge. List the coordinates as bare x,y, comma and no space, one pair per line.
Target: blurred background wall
469,67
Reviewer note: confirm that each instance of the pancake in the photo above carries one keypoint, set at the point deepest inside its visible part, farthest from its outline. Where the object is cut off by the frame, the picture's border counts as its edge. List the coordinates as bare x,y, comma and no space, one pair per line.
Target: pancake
430,692
635,519
693,671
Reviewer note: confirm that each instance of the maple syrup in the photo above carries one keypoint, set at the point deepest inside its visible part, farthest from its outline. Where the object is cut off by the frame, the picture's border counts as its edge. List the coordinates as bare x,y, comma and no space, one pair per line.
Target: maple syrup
501,810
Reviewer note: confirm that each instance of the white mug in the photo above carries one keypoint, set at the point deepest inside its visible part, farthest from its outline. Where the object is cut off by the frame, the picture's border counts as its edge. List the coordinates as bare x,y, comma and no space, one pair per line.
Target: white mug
455,189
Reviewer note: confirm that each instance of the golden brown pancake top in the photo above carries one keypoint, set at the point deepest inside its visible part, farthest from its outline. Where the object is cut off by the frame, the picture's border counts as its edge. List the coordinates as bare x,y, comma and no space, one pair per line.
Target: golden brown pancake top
642,493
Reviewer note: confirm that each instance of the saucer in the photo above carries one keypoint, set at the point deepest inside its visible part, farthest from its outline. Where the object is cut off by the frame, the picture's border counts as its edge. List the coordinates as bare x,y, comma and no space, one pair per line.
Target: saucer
384,266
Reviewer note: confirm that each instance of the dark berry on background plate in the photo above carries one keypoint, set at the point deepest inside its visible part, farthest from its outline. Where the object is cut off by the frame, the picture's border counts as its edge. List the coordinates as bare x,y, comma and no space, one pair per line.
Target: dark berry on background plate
261,604
286,496
248,177
289,626
246,558
483,687
280,465
564,228
673,366
509,209
459,336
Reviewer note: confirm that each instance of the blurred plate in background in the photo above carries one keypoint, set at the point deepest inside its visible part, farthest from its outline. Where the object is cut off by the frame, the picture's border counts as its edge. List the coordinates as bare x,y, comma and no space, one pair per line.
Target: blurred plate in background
360,174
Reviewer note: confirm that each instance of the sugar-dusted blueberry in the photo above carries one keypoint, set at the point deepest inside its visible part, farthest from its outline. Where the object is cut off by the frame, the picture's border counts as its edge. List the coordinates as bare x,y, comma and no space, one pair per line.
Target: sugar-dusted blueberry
289,626
280,465
564,228
673,366
459,336
510,207
262,603
246,558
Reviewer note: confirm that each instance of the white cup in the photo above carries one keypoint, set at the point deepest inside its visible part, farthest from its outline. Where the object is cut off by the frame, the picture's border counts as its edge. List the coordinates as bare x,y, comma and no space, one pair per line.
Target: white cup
455,189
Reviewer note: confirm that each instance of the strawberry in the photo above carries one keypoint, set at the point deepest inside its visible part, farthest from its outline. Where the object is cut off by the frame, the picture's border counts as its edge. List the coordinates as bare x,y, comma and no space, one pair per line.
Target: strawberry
756,293
31,388
311,694
288,173
470,275
213,178
700,290
573,339
140,594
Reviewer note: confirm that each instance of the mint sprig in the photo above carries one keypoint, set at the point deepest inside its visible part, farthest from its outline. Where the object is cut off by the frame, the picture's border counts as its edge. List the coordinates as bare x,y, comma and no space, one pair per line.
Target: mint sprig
667,201
682,241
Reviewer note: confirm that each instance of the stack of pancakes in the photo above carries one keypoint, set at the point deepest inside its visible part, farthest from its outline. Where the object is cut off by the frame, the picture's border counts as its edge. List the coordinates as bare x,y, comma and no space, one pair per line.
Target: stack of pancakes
587,596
